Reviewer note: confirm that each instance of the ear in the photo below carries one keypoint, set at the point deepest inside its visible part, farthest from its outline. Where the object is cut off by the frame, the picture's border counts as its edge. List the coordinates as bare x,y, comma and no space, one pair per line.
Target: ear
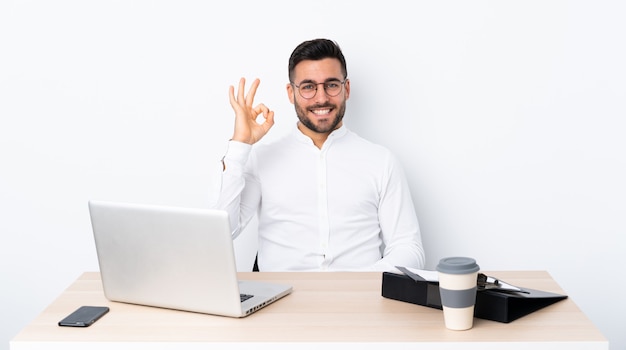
347,87
290,92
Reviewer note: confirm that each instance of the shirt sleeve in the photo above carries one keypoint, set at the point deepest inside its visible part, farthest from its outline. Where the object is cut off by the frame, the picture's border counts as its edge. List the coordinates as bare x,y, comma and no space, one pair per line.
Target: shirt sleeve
239,193
399,225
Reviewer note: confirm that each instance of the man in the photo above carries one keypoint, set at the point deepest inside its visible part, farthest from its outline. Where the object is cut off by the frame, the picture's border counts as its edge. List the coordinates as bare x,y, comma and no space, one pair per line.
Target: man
326,199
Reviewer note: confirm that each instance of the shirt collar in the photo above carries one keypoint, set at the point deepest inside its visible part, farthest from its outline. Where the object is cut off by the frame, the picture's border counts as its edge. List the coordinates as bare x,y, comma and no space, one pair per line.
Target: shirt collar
339,132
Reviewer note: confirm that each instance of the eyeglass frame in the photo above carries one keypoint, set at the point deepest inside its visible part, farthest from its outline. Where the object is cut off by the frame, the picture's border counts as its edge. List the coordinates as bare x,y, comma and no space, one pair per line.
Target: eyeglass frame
341,84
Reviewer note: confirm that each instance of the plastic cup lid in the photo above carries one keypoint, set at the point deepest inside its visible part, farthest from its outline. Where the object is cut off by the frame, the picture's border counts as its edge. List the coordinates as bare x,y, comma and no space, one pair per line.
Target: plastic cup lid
457,265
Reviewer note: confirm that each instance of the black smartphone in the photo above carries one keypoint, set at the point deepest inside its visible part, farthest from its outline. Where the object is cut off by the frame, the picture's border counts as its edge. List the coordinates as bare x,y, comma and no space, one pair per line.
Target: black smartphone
84,316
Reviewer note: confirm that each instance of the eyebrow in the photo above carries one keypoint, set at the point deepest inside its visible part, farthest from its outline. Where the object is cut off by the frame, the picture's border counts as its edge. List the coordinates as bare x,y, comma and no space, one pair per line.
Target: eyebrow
306,81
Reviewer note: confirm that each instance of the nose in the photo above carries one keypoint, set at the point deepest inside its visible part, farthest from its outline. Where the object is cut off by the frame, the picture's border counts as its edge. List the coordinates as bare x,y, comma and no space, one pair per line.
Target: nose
321,95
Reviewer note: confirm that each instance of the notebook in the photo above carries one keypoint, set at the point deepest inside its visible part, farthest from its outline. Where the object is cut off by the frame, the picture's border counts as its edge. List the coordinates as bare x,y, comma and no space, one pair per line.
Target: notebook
176,258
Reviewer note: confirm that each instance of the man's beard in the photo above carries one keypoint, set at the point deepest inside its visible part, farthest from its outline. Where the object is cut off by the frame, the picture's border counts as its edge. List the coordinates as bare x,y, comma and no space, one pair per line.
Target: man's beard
325,127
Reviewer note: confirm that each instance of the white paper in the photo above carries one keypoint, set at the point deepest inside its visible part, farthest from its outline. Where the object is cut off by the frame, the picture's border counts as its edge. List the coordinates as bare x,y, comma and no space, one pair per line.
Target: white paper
430,276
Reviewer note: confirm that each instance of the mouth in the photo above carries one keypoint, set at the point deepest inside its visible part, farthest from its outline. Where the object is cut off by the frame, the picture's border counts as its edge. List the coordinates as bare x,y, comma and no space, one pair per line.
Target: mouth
321,111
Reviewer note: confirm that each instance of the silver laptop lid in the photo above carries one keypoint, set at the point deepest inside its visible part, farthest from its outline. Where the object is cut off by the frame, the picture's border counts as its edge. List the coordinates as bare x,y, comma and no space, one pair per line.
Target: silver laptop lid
168,257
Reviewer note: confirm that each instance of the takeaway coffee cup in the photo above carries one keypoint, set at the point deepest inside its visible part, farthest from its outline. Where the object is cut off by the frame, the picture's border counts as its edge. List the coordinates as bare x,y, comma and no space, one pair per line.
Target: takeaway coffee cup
457,287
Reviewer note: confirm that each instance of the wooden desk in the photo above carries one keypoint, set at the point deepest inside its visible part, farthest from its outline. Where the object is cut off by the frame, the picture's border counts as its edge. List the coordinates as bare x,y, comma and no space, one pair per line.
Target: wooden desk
325,308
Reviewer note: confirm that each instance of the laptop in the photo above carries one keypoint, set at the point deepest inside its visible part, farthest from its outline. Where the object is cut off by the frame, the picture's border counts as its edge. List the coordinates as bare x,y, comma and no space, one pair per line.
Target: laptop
175,258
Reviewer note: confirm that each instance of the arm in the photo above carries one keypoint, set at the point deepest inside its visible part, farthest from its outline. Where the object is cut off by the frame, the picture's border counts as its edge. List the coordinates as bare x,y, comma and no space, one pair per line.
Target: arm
239,192
399,225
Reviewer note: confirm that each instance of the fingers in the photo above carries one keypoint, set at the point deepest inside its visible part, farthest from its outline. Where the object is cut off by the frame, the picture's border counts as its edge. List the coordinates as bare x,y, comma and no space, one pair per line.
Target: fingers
231,96
242,103
268,115
269,120
261,109
243,99
235,101
252,92
240,91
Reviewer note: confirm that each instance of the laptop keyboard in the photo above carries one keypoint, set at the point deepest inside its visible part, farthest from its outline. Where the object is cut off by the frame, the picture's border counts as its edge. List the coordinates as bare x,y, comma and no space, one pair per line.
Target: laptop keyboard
245,297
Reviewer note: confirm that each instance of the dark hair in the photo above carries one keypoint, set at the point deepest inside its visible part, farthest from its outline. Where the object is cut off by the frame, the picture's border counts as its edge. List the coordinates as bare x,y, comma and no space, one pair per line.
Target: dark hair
315,50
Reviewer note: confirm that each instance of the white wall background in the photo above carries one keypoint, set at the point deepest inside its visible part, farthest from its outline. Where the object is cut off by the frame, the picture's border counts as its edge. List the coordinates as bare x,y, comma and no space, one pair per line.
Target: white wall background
508,116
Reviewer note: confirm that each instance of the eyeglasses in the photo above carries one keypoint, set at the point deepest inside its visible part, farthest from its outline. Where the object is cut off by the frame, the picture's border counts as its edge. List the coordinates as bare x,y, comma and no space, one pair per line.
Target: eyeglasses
309,90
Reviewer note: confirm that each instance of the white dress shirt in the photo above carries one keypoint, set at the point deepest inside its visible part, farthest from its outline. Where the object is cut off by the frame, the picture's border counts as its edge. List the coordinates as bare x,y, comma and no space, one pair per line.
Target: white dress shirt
346,206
